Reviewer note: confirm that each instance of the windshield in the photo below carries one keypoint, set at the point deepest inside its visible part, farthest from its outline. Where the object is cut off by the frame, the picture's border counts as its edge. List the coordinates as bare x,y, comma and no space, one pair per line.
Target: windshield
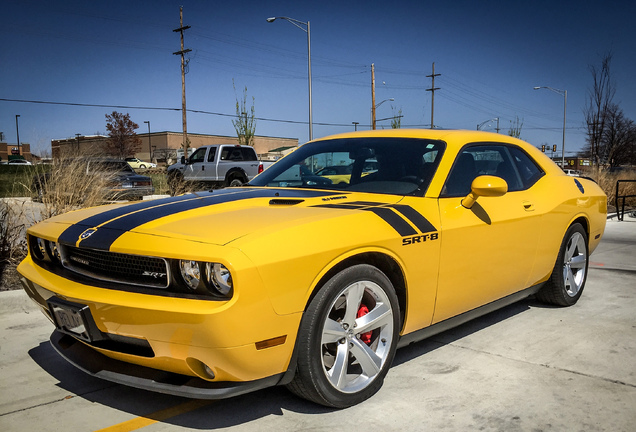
400,166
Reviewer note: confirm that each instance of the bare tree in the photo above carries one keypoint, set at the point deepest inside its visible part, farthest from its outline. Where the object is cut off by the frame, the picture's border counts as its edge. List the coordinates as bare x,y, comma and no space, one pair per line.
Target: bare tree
122,141
599,100
618,137
244,124
515,128
396,120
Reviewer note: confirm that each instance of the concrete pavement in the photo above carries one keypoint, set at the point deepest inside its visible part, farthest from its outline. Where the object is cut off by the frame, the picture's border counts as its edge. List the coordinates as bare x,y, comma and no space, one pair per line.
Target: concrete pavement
526,367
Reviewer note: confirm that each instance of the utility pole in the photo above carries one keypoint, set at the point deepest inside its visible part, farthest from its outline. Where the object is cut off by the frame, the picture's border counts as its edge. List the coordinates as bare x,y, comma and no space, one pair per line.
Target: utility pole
432,90
373,95
183,93
149,142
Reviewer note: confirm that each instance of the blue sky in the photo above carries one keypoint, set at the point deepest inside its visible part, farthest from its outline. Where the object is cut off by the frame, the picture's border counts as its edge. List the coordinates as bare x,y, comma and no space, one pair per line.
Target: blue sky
490,55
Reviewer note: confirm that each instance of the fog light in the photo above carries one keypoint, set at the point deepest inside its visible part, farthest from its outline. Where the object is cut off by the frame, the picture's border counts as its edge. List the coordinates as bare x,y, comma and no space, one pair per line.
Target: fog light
200,369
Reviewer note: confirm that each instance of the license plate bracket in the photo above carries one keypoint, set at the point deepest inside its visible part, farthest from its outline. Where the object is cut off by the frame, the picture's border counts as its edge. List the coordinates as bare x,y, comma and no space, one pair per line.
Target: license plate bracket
73,319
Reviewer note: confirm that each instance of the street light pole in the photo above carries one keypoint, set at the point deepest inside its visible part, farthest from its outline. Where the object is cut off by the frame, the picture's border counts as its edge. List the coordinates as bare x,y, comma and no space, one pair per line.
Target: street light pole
375,107
565,104
355,125
17,131
149,145
307,30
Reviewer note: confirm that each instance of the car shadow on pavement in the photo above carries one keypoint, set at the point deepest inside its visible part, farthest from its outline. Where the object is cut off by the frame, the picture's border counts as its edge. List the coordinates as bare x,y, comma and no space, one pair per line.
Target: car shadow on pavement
447,337
240,409
218,414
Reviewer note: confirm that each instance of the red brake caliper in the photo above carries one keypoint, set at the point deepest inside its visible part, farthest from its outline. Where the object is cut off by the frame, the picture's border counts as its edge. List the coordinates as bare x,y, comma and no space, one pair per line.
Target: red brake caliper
364,337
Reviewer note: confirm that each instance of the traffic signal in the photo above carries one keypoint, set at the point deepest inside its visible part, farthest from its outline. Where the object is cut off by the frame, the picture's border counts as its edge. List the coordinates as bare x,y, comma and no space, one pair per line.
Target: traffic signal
543,148
554,148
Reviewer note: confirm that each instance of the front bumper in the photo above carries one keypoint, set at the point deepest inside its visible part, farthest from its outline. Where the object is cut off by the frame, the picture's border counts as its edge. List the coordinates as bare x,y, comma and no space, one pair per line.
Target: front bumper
100,366
220,343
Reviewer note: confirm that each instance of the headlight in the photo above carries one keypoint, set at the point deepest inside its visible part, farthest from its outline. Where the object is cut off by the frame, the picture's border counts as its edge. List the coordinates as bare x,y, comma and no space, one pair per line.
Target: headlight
213,277
219,278
54,250
190,273
44,250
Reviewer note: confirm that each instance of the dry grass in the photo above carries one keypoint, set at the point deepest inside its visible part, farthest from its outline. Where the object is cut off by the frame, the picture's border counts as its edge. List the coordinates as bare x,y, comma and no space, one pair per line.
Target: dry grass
67,186
607,182
12,234
62,187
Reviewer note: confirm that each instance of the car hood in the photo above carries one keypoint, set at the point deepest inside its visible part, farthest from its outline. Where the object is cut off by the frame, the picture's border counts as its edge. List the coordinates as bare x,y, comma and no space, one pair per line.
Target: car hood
218,217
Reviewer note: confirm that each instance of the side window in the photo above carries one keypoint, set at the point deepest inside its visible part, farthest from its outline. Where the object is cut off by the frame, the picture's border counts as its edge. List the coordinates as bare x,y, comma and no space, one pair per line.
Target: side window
198,155
481,160
233,153
528,169
212,154
248,154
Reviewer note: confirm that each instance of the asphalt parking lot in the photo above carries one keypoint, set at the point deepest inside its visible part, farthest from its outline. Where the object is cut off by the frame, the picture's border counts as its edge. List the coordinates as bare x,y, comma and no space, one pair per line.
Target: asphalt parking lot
526,367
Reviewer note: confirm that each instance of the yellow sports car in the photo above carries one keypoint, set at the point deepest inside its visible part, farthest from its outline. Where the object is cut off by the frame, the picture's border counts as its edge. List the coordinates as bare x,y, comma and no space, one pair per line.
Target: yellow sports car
293,280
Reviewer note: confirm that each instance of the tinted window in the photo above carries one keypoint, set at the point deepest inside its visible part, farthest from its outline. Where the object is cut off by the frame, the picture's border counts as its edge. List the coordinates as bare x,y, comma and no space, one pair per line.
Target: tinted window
248,154
198,155
480,160
528,169
212,154
400,166
236,153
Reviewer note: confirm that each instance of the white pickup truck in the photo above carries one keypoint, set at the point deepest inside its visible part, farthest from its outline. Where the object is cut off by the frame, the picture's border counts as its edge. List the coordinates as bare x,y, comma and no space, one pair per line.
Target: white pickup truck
215,166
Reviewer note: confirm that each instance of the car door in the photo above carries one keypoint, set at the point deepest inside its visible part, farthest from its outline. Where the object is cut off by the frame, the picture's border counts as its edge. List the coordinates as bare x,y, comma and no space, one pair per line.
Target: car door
208,166
487,252
194,168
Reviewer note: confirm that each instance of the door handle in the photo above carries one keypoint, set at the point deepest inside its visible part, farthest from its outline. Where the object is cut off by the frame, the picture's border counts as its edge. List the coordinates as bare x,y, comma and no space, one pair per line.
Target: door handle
528,206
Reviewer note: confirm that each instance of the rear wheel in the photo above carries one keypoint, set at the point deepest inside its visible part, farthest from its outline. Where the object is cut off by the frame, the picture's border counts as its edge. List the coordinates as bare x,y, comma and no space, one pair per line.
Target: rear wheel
235,182
347,338
565,286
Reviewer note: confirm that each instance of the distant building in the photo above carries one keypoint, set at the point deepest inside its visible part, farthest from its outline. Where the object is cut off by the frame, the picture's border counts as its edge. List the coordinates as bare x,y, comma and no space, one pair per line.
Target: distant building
11,151
163,146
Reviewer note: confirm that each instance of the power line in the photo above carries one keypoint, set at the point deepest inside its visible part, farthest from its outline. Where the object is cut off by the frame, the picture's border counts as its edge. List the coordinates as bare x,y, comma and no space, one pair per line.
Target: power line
165,109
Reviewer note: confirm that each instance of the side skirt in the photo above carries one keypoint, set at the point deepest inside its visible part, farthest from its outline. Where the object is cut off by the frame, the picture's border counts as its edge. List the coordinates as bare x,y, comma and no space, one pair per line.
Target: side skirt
455,321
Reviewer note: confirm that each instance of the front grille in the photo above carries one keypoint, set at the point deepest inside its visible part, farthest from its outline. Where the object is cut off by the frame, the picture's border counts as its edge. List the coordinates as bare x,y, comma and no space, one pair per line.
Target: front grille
116,267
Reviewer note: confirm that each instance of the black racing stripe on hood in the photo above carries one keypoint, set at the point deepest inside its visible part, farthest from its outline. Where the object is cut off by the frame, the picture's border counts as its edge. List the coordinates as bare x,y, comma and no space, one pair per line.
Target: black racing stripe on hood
110,231
72,233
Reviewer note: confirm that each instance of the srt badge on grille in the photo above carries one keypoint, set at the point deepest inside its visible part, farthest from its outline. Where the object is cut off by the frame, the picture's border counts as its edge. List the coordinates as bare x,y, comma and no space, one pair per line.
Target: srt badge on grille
155,275
86,234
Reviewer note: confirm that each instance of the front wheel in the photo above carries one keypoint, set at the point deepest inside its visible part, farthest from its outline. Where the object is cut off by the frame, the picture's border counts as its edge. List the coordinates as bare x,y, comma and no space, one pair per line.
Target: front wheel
565,286
347,338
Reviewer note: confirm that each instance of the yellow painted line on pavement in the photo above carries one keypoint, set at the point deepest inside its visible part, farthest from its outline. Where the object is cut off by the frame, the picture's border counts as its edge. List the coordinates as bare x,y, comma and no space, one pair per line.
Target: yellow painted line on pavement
156,417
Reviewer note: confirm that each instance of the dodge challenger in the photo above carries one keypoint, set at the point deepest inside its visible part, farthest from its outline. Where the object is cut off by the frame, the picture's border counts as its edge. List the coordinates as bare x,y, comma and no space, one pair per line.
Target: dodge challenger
295,280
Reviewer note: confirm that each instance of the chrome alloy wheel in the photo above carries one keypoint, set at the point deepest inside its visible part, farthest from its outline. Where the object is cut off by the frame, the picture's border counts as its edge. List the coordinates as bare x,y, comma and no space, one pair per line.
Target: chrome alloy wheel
574,264
357,336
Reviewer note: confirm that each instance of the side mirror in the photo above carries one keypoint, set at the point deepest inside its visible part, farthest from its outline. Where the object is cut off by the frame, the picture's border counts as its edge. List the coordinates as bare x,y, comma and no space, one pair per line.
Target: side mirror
488,186
183,160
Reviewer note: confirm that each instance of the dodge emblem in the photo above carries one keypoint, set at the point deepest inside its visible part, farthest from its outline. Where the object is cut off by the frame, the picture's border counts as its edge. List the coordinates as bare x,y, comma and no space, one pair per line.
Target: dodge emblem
86,234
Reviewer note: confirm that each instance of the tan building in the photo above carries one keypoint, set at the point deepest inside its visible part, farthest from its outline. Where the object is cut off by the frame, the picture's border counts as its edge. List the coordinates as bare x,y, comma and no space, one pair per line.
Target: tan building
163,146
9,151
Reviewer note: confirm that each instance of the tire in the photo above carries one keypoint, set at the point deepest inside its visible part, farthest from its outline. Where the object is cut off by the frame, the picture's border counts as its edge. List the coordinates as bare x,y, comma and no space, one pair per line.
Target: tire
235,182
343,357
565,286
142,166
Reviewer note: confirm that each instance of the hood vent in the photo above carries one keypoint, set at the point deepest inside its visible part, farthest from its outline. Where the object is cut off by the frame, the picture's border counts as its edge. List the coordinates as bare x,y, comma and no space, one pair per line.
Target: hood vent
285,201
